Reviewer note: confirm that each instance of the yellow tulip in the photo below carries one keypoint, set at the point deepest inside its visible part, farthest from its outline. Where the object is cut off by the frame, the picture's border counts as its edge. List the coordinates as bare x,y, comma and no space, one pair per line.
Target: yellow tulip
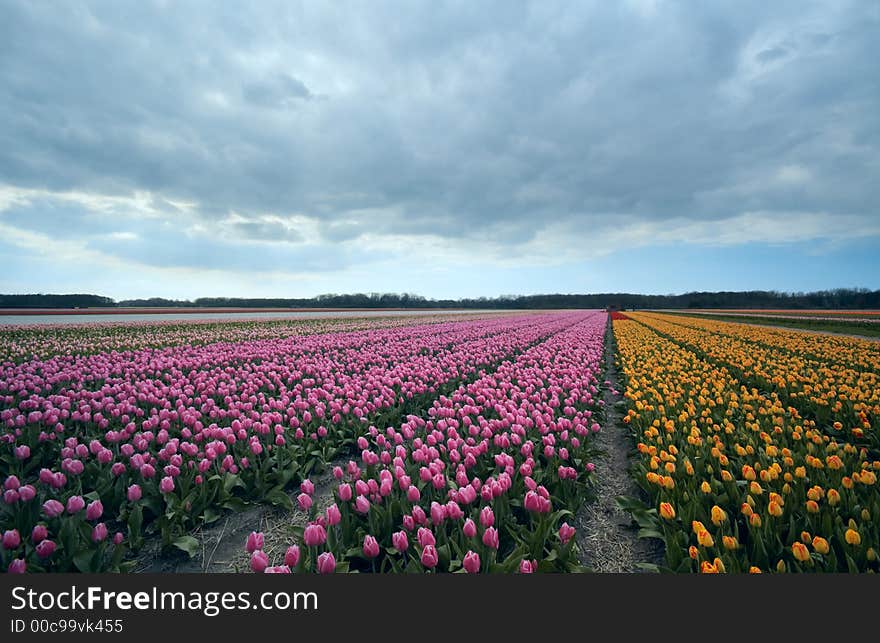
708,568
718,515
800,552
667,510
821,545
852,537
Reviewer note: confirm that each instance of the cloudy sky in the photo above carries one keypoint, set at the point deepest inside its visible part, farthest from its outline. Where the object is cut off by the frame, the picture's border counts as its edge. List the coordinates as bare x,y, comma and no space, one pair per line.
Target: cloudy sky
186,149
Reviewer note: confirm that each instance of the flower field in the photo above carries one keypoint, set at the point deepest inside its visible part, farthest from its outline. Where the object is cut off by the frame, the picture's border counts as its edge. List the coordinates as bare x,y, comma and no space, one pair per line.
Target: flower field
470,440
757,446
456,444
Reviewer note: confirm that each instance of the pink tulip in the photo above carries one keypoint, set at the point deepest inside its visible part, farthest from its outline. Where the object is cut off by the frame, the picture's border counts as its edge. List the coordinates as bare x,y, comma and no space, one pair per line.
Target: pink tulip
254,542
469,529
490,538
12,483
306,486
99,533
134,493
528,567
400,541
425,537
75,504
27,493
314,535
166,485
11,539
45,548
39,534
487,516
334,516
53,508
17,566
438,513
94,510
291,556
429,557
344,492
279,569
361,505
259,561
326,563
305,501
10,496
566,532
471,562
371,547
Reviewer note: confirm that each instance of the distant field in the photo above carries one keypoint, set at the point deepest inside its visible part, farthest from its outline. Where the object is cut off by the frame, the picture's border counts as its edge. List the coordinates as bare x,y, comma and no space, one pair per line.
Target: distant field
795,314
865,323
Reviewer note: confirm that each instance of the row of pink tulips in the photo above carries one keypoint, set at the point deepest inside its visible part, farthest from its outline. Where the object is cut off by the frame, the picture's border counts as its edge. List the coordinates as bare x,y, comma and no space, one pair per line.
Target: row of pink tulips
169,438
484,480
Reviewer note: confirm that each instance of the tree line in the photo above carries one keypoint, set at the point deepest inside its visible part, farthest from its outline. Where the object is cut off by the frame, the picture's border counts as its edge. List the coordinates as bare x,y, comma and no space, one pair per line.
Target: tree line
840,298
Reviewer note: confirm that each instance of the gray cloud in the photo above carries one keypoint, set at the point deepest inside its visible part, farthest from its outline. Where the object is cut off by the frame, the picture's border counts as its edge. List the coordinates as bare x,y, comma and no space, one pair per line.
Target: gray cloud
477,121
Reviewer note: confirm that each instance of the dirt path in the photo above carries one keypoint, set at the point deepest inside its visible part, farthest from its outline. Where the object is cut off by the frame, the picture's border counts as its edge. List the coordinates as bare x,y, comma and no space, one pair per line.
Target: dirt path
606,534
222,543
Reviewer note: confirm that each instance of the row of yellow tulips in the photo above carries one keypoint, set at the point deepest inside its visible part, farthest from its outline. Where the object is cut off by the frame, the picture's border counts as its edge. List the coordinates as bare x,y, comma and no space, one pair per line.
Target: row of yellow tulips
742,475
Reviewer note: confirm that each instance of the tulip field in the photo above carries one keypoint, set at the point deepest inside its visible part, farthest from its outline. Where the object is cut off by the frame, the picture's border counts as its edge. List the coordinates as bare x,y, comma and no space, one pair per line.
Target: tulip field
456,443
450,424
757,446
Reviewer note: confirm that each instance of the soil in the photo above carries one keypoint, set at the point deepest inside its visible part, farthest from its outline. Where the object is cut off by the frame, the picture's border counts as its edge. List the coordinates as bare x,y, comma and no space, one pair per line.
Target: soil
222,542
606,533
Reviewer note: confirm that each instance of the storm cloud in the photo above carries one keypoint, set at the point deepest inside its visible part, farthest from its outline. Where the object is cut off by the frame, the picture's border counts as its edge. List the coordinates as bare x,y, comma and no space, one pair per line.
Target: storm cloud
311,138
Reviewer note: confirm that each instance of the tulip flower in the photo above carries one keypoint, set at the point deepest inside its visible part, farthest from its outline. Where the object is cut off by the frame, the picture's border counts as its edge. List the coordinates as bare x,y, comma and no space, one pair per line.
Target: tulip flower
471,562
291,556
400,541
314,535
370,547
94,510
11,539
75,504
490,538
259,561
133,493
305,501
429,557
326,563
254,542
53,508
45,549
99,533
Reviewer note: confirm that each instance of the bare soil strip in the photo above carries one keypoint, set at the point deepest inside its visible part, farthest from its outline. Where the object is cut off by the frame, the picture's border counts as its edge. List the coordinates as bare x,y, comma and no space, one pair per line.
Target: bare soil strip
606,533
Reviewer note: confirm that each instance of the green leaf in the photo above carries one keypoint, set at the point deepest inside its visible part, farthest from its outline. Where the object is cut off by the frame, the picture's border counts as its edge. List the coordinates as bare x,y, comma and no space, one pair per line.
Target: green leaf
235,504
278,498
231,481
188,544
83,561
